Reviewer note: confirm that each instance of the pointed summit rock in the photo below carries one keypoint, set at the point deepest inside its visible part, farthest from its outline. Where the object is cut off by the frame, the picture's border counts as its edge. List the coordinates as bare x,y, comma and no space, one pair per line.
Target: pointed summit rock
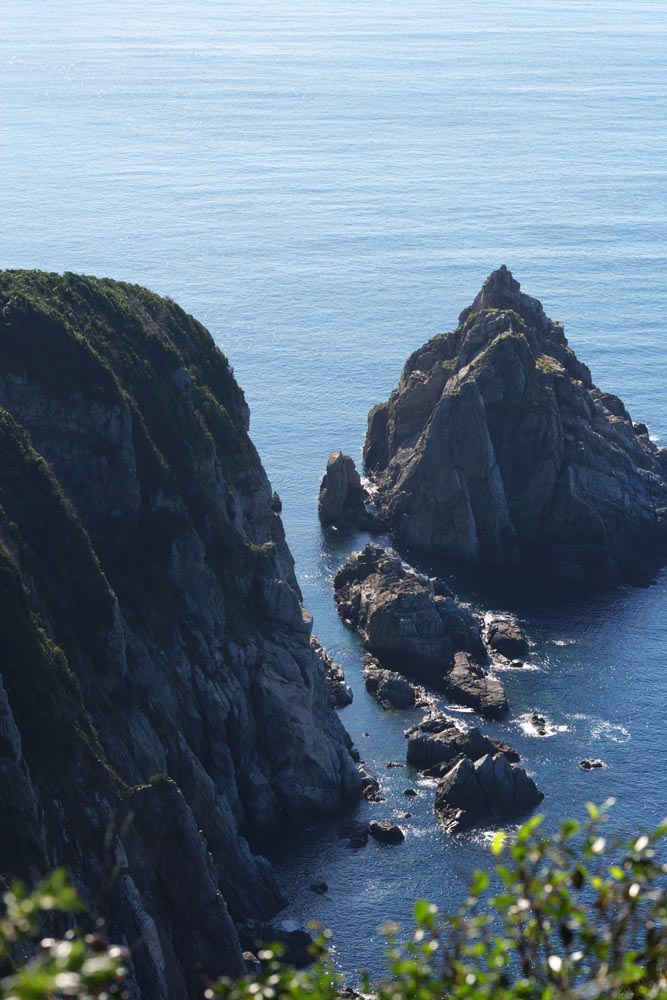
496,447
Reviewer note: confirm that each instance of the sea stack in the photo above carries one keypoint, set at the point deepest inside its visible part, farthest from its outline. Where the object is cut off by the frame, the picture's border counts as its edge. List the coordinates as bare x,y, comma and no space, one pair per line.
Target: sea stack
497,448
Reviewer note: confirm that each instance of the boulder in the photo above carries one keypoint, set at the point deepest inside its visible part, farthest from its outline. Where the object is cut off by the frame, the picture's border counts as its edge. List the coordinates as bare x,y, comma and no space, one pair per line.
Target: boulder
507,638
342,497
370,786
390,689
497,448
320,888
487,789
253,966
469,684
386,832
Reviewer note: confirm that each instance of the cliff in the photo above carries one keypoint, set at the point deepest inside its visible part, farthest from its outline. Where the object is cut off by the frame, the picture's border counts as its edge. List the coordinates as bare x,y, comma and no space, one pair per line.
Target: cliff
496,447
161,699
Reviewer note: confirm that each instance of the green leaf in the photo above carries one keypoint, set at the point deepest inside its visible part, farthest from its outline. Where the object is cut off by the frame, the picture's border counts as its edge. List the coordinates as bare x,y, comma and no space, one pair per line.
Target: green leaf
424,913
529,827
569,828
480,882
498,842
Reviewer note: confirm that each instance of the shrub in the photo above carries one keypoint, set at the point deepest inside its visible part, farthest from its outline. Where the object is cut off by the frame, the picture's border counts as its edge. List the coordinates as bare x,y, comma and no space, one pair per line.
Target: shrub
76,965
573,916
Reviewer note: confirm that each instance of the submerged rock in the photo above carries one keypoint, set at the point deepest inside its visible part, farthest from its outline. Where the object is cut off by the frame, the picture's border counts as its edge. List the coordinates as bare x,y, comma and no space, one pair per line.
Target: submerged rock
413,630
342,496
490,788
591,764
496,447
355,833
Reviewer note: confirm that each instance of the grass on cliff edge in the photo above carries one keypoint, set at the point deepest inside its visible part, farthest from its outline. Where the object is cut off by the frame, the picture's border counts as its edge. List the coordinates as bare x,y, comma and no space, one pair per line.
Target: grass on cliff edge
573,915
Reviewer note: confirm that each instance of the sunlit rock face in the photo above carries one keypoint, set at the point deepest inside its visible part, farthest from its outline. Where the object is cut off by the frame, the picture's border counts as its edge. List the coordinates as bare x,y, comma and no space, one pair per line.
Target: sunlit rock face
496,447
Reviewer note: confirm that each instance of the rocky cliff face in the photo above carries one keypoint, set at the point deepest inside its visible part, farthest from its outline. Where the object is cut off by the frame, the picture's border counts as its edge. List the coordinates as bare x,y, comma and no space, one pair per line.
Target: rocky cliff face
497,447
161,699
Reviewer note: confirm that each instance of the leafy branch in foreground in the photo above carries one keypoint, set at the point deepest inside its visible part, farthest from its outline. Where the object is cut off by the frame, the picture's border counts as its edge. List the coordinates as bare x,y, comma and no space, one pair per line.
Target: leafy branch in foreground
573,916
76,965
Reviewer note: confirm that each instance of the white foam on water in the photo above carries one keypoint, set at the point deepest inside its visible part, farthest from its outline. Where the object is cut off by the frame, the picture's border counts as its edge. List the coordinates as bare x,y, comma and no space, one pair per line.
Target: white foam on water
611,731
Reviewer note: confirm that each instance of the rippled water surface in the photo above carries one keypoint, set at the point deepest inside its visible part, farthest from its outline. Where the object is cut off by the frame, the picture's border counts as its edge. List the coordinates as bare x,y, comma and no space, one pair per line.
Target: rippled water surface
326,185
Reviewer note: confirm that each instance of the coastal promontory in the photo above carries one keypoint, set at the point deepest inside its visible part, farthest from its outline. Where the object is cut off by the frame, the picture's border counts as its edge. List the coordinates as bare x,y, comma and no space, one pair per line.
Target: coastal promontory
162,702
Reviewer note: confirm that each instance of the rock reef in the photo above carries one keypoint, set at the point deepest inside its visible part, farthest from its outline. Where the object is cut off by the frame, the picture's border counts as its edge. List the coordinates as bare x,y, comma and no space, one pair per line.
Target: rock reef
475,792
161,701
411,627
497,448
479,779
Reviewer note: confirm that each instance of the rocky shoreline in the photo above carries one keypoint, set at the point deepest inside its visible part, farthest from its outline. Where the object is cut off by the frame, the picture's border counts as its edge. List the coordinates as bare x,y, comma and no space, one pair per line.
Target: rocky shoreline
496,448
160,670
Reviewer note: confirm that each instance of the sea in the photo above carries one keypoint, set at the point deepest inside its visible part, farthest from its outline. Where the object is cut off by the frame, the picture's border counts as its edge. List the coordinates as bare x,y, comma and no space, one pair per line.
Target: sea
326,185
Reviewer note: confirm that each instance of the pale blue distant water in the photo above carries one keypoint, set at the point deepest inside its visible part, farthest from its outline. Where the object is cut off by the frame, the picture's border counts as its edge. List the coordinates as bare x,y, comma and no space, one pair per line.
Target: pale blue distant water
325,185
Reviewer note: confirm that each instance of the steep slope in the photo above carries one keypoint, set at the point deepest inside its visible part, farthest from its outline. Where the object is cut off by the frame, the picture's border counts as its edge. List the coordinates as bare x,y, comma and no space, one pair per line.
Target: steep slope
496,447
161,697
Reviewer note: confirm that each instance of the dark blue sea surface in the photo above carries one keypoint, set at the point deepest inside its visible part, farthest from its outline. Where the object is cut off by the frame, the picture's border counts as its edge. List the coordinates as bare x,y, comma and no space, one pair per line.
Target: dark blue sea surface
326,185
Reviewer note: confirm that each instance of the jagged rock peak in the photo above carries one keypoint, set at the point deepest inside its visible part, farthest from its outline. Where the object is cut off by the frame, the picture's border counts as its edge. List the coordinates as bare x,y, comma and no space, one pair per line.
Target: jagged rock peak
342,499
496,447
501,290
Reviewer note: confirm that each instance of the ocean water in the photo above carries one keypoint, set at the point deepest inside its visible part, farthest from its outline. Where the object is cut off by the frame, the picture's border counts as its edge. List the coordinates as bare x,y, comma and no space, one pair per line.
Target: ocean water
326,185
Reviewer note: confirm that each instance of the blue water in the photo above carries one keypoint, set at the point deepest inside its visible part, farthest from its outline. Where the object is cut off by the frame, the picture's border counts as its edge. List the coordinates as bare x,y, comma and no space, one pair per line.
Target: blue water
326,185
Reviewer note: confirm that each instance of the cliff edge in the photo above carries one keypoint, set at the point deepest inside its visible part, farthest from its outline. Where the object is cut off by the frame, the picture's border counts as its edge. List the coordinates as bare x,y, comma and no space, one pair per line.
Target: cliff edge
161,698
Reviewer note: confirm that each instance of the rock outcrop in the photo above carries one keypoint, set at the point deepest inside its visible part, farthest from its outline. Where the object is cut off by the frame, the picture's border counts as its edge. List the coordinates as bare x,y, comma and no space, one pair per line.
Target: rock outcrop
161,701
497,448
390,688
438,740
484,790
507,638
467,683
342,497
341,692
411,628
